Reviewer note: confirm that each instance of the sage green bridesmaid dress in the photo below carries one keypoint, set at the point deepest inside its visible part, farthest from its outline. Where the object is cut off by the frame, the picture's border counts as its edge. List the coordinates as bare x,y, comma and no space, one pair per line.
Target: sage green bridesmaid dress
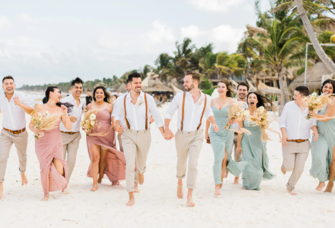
254,153
322,150
222,141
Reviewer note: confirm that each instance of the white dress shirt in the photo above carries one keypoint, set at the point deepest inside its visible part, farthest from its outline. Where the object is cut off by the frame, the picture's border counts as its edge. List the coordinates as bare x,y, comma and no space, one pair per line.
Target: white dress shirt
192,111
295,122
118,103
136,113
235,125
14,117
76,112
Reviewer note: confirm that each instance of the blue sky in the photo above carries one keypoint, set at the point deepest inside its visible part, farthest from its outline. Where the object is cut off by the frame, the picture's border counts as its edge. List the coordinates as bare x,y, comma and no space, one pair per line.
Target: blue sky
53,41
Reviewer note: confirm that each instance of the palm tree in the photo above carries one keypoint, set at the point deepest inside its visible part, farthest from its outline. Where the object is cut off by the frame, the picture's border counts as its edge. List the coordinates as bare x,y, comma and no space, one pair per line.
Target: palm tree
230,64
183,53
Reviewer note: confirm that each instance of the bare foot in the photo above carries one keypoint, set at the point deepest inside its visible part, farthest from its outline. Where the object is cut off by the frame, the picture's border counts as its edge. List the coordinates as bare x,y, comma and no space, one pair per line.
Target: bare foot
131,201
66,191
320,186
329,186
283,170
45,198
220,185
24,179
292,193
180,194
244,188
140,178
1,190
236,180
136,189
116,183
217,190
190,201
94,188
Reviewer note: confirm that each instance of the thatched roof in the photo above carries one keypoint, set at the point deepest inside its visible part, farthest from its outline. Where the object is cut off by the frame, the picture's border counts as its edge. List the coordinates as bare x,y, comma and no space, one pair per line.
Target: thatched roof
255,30
114,87
152,84
122,89
314,77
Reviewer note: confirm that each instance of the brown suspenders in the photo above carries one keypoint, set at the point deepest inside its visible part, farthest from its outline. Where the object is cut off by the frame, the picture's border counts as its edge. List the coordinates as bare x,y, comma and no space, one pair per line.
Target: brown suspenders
146,111
182,114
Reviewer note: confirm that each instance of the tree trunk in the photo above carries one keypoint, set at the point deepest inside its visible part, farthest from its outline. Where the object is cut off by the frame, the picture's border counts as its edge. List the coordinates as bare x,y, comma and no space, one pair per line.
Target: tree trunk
317,47
283,89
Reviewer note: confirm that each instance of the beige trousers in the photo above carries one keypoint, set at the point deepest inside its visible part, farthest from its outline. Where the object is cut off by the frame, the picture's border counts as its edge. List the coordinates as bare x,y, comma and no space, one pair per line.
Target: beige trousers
136,146
6,141
188,145
239,157
70,149
120,142
294,158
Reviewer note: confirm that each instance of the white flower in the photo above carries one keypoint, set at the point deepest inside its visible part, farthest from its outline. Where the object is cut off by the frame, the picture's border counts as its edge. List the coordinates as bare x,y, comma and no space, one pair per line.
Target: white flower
47,113
39,114
314,94
261,108
139,102
92,123
246,113
200,102
93,117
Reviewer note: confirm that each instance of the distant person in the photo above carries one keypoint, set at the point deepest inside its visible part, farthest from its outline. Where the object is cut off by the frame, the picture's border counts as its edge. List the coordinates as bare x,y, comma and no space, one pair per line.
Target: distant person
88,98
45,100
14,105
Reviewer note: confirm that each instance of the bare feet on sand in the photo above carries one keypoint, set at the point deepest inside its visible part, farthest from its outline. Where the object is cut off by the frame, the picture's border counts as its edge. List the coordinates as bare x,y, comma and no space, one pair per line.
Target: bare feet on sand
116,183
283,170
131,199
217,189
136,189
190,201
292,193
244,188
236,180
1,190
66,191
94,188
24,179
140,178
180,193
45,198
329,186
320,186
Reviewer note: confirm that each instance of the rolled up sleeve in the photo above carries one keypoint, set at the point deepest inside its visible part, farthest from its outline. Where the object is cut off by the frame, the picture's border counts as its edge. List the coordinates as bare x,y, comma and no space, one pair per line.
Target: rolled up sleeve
283,118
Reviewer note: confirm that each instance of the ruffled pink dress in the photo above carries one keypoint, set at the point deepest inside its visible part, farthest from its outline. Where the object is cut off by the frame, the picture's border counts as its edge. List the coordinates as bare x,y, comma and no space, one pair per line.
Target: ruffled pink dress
47,148
116,163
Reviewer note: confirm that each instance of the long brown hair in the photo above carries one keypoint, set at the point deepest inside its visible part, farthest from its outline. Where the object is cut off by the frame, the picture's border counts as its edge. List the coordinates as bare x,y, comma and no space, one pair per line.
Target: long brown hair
228,86
107,95
262,101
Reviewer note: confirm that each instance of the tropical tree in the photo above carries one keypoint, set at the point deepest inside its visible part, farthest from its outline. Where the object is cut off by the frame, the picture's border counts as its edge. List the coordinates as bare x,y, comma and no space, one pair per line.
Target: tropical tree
230,64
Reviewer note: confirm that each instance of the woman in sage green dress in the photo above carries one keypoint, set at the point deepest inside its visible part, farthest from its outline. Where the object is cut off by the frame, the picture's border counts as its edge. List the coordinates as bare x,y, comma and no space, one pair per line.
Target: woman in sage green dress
323,159
252,147
222,141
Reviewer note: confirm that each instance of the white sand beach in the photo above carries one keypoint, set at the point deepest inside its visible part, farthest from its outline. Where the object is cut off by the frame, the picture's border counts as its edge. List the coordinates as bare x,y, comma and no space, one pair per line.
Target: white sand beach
157,205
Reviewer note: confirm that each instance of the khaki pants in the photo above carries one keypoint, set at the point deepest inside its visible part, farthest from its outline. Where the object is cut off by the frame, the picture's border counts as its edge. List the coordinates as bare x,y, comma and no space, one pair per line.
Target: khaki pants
295,155
6,141
234,147
120,142
136,146
188,145
70,149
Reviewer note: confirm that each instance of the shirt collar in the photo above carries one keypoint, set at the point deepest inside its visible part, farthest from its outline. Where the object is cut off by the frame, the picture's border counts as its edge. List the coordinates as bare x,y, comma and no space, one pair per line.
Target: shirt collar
4,95
129,97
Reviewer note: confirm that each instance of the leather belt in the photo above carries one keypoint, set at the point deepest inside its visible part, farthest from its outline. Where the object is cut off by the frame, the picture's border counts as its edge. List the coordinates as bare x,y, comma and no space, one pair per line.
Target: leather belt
297,140
69,132
15,132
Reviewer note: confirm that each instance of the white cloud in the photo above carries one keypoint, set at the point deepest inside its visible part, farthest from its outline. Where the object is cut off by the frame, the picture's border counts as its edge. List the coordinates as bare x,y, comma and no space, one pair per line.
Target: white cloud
160,33
25,17
215,5
108,39
4,22
192,32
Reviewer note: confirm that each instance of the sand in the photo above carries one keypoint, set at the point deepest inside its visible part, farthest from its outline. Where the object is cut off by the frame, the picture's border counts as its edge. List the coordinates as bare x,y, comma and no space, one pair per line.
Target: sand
157,205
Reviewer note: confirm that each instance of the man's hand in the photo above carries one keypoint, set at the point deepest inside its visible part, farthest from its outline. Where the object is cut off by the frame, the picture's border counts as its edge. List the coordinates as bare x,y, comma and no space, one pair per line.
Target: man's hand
316,136
168,133
284,140
215,127
119,129
17,101
73,119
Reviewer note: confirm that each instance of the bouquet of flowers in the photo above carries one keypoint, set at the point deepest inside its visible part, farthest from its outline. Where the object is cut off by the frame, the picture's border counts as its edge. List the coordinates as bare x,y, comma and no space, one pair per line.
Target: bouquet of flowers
237,113
45,122
89,121
315,102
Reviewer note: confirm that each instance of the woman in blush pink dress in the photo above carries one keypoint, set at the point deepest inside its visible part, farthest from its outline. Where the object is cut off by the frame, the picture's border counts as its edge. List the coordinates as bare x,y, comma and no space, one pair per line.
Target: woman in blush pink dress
105,158
49,146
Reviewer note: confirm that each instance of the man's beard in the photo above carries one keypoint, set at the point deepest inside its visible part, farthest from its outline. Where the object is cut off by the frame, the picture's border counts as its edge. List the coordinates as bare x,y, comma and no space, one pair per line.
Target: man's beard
188,89
136,89
241,96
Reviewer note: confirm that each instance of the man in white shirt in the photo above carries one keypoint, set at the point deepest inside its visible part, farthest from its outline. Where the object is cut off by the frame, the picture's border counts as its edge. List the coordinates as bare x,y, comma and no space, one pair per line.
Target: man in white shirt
192,105
72,138
14,105
295,129
118,103
135,129
242,93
